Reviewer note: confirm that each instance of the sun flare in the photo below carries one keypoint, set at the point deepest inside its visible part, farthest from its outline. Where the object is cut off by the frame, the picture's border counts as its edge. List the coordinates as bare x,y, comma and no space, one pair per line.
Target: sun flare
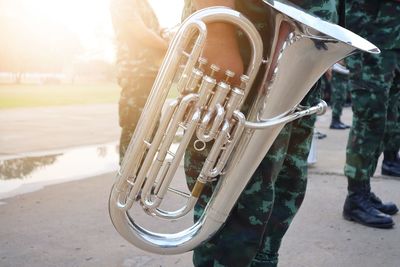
89,20
168,12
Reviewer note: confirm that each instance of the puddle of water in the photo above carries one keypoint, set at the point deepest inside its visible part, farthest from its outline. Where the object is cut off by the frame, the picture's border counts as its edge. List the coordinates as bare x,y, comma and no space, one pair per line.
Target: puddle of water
32,172
29,173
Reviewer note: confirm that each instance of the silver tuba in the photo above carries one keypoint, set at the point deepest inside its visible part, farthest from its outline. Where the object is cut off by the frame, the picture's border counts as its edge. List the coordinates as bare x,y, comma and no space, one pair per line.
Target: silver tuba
301,48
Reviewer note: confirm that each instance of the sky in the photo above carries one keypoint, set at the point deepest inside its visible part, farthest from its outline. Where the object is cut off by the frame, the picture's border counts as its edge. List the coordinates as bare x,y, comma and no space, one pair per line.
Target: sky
90,19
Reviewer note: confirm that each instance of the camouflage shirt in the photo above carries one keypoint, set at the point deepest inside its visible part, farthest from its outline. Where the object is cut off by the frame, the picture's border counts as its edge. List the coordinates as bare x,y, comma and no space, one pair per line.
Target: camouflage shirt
376,20
256,11
134,59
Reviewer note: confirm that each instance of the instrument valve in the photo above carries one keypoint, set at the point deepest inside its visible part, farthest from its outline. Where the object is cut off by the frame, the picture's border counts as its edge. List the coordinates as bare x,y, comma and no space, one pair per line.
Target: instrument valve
229,75
202,62
214,69
244,81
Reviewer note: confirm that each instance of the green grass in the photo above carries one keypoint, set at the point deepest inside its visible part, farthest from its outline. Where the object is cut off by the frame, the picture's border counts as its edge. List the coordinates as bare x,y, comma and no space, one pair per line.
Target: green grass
33,95
14,96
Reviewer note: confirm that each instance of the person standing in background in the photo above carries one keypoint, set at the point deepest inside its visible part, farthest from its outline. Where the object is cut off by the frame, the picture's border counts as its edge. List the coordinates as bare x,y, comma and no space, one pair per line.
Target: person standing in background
373,85
339,85
140,49
391,160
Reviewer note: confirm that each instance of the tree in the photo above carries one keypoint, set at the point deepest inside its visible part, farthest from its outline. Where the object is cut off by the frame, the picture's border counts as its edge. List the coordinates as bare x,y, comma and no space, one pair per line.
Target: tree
96,69
35,45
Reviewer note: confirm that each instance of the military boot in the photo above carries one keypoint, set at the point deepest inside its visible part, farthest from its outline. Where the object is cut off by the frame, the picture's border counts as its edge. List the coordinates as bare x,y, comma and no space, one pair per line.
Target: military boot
358,208
385,207
338,125
391,164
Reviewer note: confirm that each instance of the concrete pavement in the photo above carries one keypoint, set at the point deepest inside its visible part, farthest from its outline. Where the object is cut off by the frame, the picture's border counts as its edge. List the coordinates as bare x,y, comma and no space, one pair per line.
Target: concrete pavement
27,130
67,224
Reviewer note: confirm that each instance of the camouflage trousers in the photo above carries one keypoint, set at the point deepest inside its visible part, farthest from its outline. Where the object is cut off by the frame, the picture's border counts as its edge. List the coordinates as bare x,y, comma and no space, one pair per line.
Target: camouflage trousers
375,91
338,94
253,232
132,100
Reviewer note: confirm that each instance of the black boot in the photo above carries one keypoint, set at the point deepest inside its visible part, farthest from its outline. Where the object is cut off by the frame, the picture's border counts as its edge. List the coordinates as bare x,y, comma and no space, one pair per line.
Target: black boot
360,209
388,207
320,135
391,156
391,169
391,163
338,125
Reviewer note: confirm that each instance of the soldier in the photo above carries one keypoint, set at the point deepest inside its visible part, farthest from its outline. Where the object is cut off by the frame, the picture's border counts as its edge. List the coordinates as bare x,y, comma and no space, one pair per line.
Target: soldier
140,49
338,97
391,160
373,80
391,163
253,232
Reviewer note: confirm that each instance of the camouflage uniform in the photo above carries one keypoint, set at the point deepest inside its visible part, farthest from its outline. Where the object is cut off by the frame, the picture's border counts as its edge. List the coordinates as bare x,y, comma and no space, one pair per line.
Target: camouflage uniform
391,139
253,232
137,64
374,87
339,94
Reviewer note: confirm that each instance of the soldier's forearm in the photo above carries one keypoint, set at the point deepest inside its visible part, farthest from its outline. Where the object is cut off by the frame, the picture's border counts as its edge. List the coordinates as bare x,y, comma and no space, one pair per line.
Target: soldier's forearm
199,4
222,30
222,34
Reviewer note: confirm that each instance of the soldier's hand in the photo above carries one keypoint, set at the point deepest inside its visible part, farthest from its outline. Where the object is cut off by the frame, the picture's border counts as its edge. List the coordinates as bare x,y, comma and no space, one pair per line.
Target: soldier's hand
222,50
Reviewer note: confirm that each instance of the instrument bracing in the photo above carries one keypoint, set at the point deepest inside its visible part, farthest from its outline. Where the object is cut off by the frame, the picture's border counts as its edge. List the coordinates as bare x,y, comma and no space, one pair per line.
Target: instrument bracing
301,48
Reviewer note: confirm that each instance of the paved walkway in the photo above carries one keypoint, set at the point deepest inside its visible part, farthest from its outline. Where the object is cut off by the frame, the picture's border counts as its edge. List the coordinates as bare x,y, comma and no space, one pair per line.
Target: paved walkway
26,130
67,224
